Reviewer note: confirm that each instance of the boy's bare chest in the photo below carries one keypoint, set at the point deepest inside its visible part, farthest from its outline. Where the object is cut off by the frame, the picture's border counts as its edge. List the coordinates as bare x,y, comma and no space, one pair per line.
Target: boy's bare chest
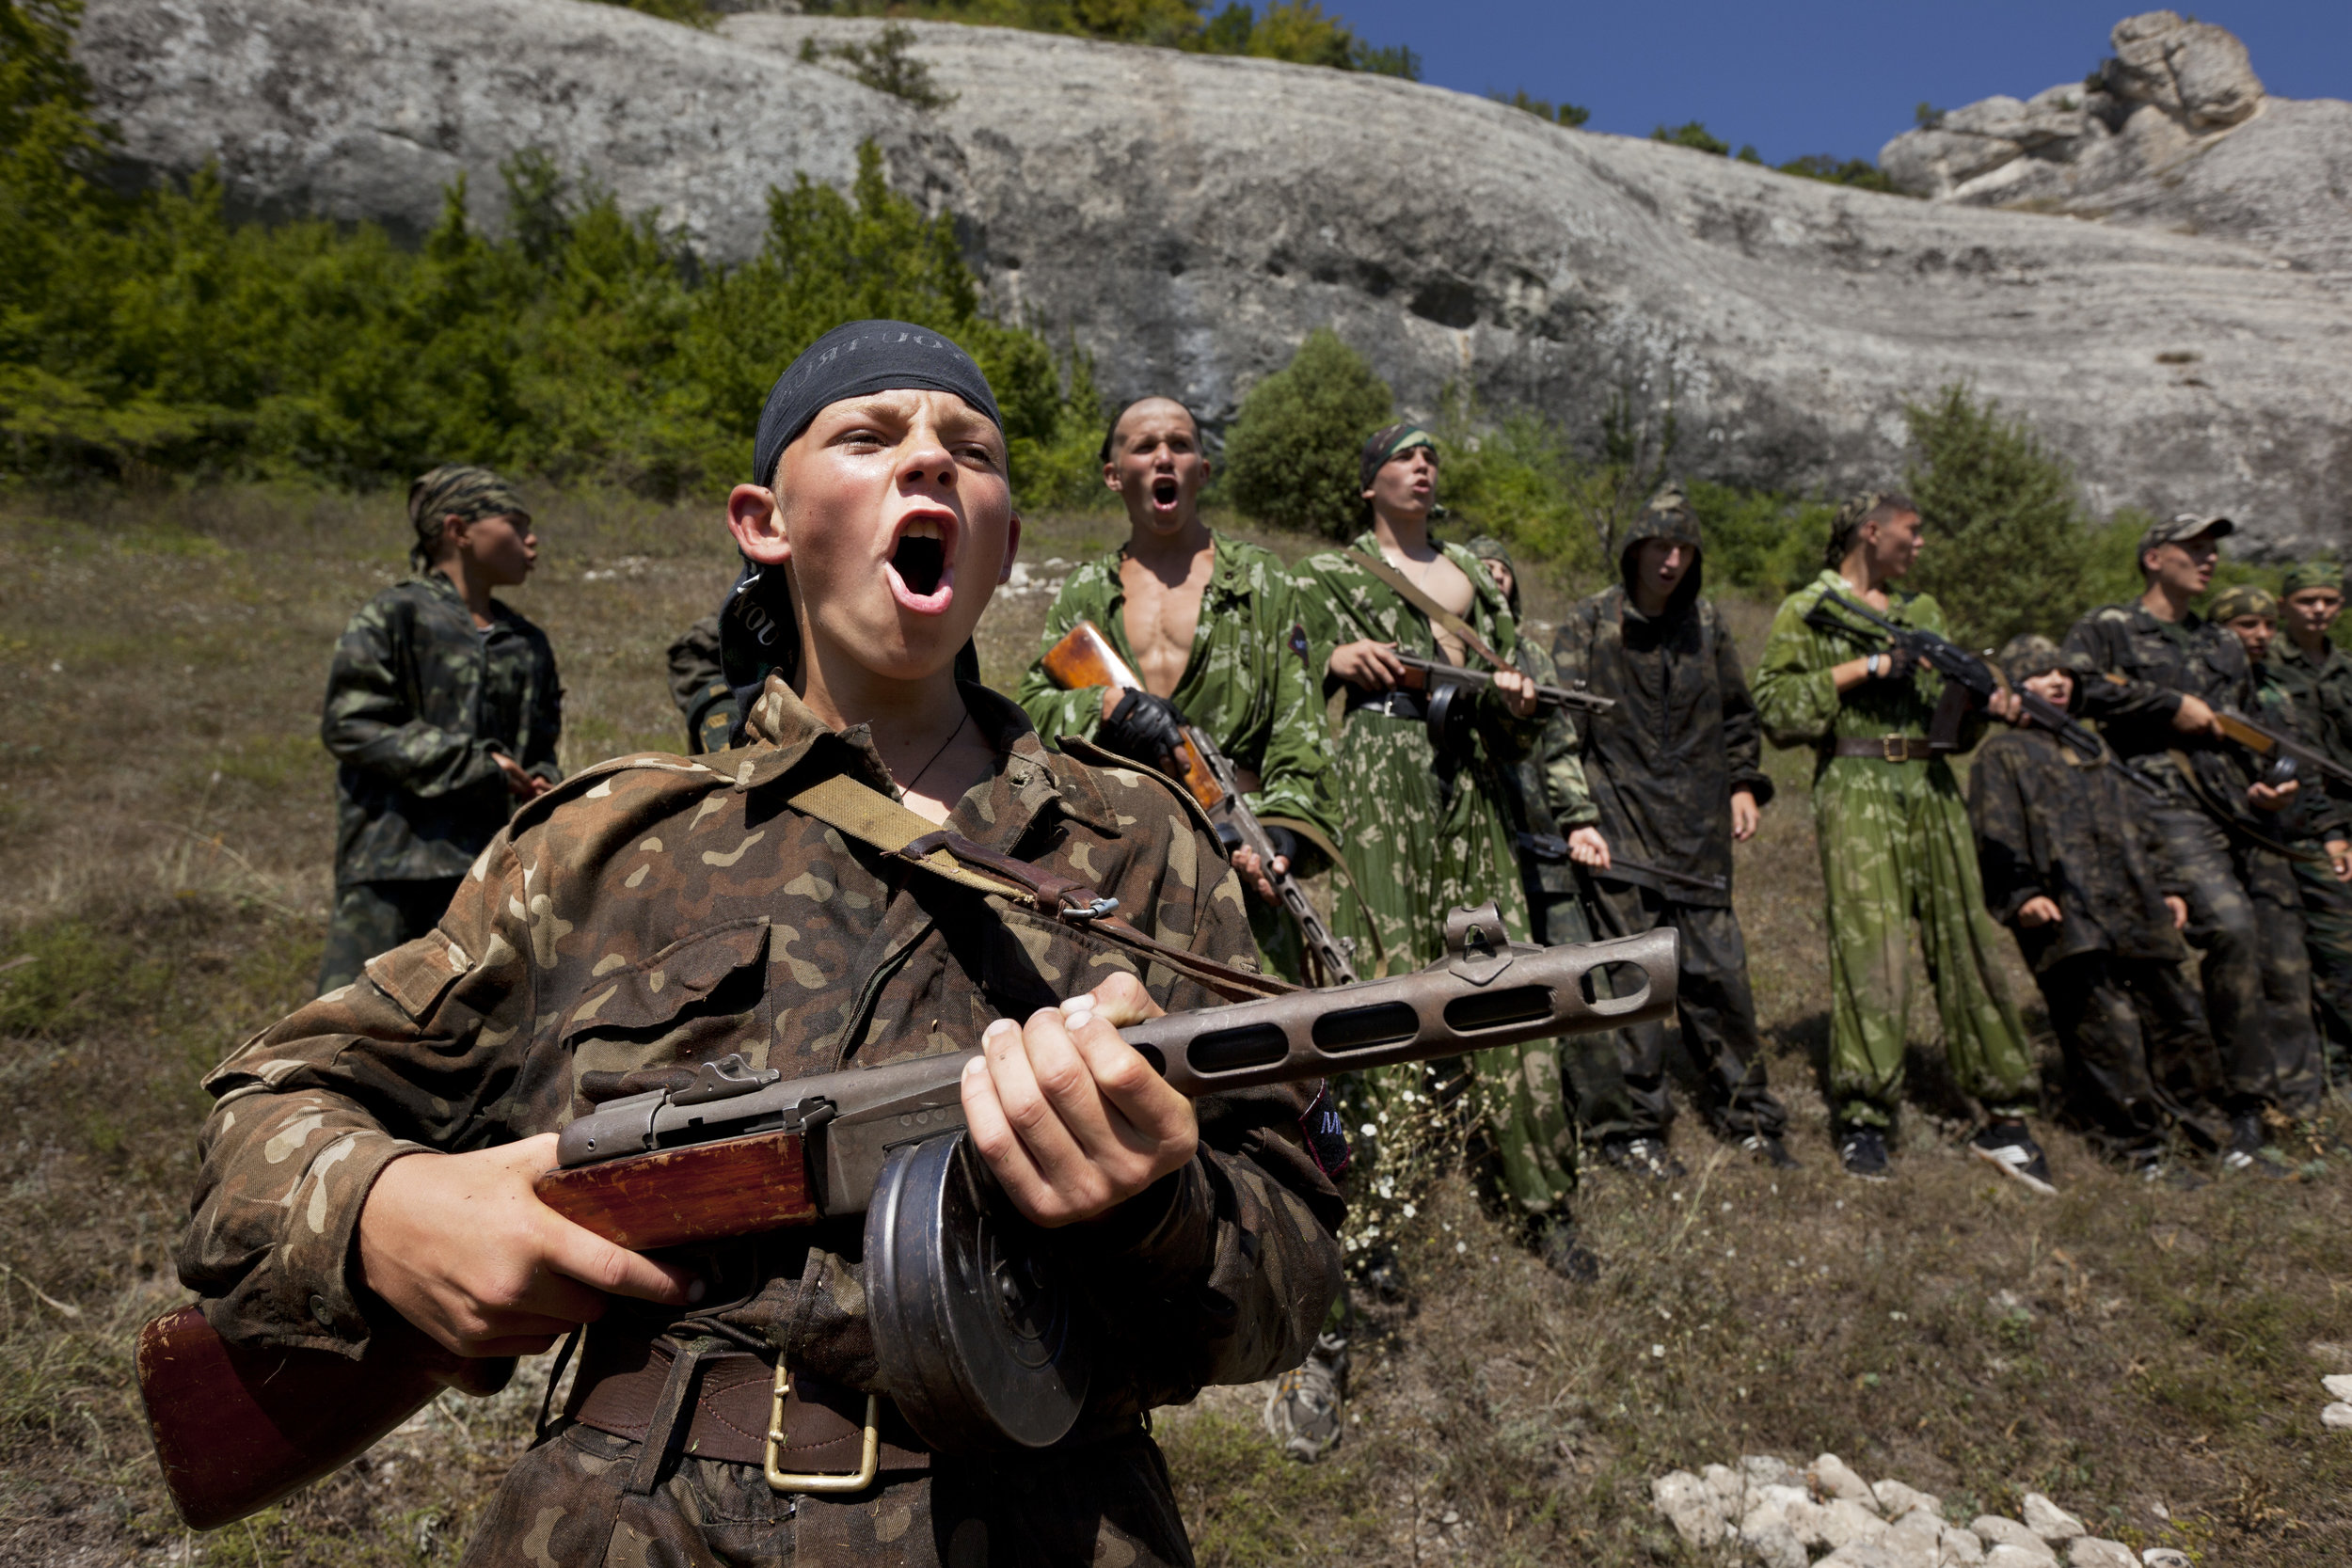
1162,618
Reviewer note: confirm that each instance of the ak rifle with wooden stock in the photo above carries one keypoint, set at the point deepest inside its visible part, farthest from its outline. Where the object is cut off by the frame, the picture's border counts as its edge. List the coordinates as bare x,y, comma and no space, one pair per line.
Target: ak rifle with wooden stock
1969,671
977,1339
2288,756
1430,674
1084,658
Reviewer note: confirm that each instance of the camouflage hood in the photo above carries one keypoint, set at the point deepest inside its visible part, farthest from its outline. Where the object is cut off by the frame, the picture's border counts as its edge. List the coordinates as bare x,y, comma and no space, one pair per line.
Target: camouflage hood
1668,515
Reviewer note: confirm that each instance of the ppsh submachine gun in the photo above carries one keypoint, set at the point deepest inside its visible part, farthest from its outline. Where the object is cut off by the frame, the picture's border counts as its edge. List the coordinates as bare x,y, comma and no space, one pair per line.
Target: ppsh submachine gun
1084,658
980,1342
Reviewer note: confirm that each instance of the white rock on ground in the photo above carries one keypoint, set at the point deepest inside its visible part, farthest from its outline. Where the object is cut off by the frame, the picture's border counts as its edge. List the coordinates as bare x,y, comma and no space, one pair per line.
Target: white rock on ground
1770,1541
2049,1521
1997,1532
2008,1555
1729,1489
1959,1548
1690,1506
2090,1551
1832,1477
1914,1541
1860,1554
2165,1557
1894,1500
2338,1415
1763,1469
2339,1386
1846,1522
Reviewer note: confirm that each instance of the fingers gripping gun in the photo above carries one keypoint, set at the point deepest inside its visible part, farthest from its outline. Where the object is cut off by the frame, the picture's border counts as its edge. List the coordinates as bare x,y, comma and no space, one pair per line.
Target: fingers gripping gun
2287,756
1968,671
1086,657
977,1339
1435,676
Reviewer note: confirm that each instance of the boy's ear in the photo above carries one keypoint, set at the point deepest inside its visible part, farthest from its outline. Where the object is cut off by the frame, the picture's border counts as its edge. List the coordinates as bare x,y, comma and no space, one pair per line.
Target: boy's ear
757,519
1012,547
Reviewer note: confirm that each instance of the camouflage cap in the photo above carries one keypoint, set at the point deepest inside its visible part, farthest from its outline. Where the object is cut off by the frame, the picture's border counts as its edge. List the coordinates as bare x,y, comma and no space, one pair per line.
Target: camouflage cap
2322,573
456,490
2182,529
1858,509
2243,598
1488,547
2031,654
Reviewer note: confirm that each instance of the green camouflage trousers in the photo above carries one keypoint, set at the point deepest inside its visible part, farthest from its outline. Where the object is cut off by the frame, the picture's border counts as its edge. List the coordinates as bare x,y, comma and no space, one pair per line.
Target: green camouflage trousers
1895,847
376,917
2327,939
1417,849
565,1502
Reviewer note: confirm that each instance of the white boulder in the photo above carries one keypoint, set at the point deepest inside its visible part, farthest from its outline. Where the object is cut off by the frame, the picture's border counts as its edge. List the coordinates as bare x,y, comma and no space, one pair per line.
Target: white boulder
2049,1521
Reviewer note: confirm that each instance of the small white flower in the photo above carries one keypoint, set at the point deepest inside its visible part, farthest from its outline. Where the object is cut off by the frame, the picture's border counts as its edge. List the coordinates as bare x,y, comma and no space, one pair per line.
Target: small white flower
1370,1131
1461,1247
1659,1351
1409,1212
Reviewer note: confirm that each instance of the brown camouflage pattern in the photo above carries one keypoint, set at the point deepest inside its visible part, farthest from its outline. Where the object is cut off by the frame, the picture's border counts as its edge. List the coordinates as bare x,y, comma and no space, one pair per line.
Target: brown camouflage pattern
657,909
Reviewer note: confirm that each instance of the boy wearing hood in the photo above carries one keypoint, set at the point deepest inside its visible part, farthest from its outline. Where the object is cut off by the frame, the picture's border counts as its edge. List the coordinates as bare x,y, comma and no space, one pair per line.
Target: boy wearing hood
1677,775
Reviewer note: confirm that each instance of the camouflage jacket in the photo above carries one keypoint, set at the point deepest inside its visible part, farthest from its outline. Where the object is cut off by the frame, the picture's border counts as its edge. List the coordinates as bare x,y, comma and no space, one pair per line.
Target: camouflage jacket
655,910
2050,824
2283,703
1243,686
1665,762
699,687
2149,664
419,705
1340,603
1798,703
2320,693
1547,786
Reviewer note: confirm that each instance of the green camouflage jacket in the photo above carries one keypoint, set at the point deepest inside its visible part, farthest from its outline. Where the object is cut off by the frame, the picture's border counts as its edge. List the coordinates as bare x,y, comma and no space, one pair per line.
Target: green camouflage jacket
699,687
2149,664
2284,703
2049,824
2320,692
1797,702
1549,794
1664,763
1340,603
655,910
419,705
1243,686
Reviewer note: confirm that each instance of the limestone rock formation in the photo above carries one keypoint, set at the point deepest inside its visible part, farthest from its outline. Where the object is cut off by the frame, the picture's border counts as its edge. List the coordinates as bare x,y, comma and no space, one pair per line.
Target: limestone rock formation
2173,132
1189,219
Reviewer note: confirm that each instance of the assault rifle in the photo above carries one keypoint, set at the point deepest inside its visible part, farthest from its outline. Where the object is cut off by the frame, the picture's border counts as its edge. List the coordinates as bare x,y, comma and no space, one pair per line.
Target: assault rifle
1970,673
1086,657
1432,676
977,1339
1551,846
2287,756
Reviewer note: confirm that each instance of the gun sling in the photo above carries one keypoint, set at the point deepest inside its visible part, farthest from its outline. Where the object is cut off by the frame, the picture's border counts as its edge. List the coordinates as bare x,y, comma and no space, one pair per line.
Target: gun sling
727,1410
1410,591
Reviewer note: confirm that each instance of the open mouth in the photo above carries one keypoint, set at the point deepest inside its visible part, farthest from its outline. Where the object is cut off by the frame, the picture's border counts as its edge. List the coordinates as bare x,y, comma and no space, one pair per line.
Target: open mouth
1164,491
921,578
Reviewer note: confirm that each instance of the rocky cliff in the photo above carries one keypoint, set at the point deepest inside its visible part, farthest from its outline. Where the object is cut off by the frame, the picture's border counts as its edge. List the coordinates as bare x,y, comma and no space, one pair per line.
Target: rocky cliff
2172,132
1189,219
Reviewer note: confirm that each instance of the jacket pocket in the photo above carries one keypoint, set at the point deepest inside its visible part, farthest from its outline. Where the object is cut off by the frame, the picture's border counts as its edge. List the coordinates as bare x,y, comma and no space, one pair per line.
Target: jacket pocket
694,1000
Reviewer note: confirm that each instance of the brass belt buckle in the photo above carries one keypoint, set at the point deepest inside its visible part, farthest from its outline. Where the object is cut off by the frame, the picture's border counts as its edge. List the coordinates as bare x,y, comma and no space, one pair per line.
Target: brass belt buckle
1893,748
869,1459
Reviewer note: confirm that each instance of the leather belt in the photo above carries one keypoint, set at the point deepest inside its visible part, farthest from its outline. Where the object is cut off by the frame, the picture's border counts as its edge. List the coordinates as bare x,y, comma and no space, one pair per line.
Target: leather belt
1886,748
820,1433
1396,702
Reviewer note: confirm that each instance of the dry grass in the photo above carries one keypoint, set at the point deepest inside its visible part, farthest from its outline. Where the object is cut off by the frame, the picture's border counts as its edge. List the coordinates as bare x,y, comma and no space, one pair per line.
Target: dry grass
164,815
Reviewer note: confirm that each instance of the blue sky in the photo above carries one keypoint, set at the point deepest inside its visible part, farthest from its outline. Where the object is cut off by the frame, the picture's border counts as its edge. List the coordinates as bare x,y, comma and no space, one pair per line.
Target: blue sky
1813,75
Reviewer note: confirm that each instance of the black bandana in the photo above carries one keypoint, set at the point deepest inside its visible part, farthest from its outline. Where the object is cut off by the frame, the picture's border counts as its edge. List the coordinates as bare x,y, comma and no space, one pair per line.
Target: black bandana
853,360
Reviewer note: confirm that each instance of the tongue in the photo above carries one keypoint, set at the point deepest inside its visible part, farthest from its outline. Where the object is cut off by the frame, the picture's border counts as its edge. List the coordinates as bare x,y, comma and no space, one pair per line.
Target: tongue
920,563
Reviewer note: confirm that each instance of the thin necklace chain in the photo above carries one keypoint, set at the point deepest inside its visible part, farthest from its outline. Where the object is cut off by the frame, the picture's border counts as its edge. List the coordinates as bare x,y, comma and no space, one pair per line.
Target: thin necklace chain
908,787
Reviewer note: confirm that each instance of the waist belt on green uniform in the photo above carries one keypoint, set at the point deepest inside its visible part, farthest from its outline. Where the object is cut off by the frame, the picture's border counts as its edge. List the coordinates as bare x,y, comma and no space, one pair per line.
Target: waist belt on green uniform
737,1408
1886,748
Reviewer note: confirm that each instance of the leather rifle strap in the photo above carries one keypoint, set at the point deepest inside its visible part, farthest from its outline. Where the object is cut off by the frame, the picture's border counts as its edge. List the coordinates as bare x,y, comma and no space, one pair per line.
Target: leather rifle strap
1438,615
867,815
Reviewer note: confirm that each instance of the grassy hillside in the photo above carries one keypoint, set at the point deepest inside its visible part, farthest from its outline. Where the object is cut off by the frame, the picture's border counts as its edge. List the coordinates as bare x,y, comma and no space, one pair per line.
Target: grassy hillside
164,823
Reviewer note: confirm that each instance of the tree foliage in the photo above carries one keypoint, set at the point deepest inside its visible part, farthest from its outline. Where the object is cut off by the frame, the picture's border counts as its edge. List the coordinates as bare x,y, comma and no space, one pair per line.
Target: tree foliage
1290,453
1563,113
583,344
1300,31
2009,549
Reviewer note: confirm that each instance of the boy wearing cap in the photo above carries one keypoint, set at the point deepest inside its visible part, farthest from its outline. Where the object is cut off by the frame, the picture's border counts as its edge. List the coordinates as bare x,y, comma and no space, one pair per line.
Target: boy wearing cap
2315,677
2072,865
443,712
2155,672
373,1156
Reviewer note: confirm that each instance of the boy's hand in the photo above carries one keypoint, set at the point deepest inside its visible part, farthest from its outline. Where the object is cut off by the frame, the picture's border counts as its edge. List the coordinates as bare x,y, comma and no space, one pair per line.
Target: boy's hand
1368,666
462,1247
1743,815
2040,909
1072,1121
1586,847
2179,906
521,782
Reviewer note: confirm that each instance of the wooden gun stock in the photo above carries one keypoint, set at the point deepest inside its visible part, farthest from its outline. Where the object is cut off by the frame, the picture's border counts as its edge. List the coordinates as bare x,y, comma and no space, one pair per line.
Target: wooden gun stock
1086,657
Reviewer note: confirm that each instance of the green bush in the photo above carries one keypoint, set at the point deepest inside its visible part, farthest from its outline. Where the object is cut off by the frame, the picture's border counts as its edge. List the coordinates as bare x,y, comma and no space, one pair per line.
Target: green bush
585,344
1543,108
1829,169
1692,135
1758,540
2009,549
1290,453
1296,30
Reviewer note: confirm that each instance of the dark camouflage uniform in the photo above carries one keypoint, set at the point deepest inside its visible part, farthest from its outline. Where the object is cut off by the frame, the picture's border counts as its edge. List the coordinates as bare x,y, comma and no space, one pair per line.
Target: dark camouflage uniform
2244,914
2128,1019
420,705
655,910
699,687
1663,765
1243,686
2319,693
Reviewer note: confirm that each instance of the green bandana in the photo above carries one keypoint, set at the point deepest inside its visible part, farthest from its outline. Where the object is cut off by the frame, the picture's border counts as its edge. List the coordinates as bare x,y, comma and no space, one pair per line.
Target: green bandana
2243,598
2322,573
459,490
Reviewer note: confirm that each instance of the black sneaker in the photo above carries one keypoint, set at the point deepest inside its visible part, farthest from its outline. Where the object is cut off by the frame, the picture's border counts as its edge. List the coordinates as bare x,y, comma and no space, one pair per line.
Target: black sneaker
1863,1152
2250,1153
2008,1148
1769,1150
1557,1245
1643,1157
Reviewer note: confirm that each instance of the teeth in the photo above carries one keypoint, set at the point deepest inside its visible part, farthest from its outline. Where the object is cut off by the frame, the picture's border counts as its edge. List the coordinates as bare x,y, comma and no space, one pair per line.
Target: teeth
923,527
